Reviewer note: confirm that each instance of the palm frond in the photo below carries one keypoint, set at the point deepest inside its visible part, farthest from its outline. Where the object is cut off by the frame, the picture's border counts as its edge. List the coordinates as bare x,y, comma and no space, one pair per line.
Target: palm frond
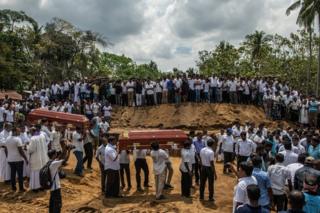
293,7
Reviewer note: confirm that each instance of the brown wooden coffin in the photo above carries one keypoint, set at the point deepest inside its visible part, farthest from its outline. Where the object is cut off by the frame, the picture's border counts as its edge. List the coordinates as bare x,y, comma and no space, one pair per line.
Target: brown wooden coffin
59,117
143,139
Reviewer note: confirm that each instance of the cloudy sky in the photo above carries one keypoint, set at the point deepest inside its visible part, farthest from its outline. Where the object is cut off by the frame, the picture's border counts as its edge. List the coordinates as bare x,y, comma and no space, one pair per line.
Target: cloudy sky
170,32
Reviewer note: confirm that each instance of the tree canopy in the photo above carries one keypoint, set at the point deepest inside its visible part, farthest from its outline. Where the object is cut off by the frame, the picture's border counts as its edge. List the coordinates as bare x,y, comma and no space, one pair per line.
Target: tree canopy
33,55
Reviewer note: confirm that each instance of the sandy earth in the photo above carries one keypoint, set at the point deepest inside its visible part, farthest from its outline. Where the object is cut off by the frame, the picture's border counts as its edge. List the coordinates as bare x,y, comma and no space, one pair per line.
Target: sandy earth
83,195
187,116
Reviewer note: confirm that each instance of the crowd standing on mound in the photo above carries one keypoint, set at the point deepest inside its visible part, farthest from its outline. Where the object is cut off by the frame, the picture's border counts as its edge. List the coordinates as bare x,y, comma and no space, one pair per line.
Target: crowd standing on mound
274,167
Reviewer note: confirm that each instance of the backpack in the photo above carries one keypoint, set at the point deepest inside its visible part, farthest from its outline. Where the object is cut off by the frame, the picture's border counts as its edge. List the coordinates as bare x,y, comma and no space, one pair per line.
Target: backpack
45,176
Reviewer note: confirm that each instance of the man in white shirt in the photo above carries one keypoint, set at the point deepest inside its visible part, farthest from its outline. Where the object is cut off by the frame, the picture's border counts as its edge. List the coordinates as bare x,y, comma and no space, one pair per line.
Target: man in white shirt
112,167
130,89
289,156
107,111
295,166
279,175
208,171
159,158
245,179
227,146
244,148
186,168
125,168
55,203
77,142
101,160
13,145
141,163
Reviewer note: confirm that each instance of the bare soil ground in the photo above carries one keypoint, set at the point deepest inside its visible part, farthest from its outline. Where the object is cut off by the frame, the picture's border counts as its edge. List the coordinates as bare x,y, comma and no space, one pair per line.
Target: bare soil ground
83,195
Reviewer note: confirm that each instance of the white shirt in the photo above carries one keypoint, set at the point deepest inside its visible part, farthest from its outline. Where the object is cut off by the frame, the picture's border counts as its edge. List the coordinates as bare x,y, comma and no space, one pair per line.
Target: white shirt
12,143
100,153
54,169
124,157
140,153
159,158
130,86
206,155
107,111
278,175
104,126
240,191
293,168
55,141
289,157
111,158
9,115
2,111
227,143
245,148
77,141
186,157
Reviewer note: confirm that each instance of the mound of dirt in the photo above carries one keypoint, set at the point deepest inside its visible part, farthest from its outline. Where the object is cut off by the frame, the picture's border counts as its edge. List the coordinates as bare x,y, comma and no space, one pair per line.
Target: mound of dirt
187,116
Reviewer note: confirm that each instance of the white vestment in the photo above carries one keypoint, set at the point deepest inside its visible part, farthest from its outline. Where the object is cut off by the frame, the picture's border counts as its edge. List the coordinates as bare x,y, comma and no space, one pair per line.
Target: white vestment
5,172
38,158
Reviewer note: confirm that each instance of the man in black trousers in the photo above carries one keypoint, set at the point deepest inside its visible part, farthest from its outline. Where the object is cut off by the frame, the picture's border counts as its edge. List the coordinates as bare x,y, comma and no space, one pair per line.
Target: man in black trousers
112,167
141,163
208,171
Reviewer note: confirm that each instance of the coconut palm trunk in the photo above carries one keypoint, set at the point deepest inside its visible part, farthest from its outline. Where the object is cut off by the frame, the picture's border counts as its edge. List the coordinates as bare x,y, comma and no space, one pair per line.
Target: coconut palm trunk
310,62
318,71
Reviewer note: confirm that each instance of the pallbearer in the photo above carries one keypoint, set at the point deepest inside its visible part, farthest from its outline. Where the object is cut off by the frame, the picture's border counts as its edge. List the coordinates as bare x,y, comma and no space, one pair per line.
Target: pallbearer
112,167
186,168
208,171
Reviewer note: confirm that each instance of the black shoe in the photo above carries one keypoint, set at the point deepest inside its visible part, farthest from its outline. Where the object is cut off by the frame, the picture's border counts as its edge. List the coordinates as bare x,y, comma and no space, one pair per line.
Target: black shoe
14,189
168,186
161,197
139,189
129,188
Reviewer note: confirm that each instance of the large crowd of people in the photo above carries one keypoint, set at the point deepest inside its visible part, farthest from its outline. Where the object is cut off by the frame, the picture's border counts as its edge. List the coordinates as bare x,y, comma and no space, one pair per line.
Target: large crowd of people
274,167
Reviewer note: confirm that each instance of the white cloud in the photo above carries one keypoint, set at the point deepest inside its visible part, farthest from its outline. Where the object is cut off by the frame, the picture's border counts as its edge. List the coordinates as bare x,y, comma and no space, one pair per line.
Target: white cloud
169,32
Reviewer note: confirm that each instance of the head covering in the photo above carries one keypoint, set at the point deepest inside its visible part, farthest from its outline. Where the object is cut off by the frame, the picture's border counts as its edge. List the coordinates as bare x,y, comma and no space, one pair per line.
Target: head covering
229,130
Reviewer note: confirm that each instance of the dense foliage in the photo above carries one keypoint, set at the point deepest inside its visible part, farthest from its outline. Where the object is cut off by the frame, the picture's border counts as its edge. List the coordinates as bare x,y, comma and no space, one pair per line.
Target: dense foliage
31,55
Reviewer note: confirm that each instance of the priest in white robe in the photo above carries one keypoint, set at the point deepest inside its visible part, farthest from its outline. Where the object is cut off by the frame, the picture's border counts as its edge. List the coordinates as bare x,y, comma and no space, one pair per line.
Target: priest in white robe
38,157
5,171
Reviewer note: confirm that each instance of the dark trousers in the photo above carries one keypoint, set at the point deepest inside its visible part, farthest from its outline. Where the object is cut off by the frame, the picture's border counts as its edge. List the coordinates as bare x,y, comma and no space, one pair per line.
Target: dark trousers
197,169
280,201
159,97
150,100
16,168
186,183
112,183
125,168
55,202
227,158
241,159
79,155
141,164
103,177
206,174
88,150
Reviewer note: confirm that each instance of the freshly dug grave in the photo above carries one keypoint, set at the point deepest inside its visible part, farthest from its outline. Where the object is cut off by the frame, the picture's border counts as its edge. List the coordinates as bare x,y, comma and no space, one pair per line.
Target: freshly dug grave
187,116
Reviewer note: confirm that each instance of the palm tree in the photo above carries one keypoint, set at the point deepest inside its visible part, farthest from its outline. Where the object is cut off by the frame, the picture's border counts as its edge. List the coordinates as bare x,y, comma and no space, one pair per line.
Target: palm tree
257,43
309,11
306,22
